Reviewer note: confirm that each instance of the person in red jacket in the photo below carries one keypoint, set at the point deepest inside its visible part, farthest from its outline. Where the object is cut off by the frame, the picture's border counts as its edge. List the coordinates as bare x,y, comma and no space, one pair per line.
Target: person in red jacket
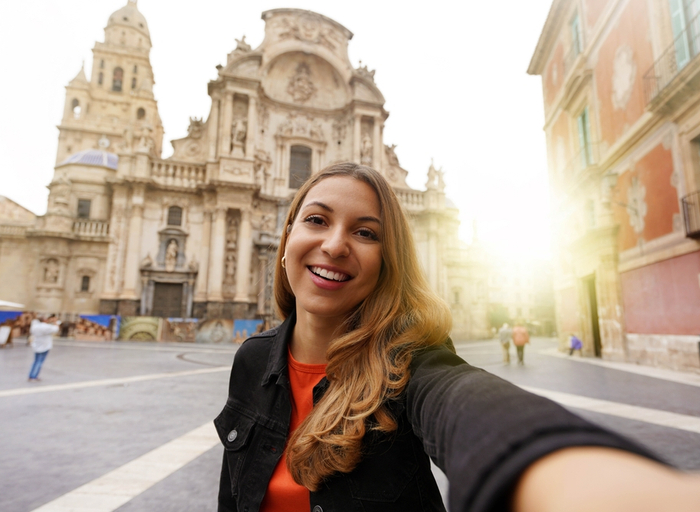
520,338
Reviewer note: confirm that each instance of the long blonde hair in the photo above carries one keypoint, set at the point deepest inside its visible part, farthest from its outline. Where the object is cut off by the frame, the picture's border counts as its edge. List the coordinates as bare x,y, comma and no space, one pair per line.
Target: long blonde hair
368,364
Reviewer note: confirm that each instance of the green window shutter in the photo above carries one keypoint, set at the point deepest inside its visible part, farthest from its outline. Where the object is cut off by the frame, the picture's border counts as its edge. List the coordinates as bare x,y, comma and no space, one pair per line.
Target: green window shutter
678,25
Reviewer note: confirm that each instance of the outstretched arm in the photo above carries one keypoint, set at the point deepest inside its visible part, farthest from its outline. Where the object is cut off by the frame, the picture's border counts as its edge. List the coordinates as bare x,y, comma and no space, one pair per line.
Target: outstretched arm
604,480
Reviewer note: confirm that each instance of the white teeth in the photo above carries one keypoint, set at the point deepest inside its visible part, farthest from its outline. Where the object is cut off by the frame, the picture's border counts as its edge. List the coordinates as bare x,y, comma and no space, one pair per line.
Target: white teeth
334,276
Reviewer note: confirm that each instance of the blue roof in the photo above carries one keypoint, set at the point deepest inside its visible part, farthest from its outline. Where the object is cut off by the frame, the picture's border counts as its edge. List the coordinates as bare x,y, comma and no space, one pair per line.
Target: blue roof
93,157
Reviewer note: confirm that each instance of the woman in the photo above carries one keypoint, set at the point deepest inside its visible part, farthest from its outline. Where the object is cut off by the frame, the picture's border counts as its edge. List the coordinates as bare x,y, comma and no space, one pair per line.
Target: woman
341,407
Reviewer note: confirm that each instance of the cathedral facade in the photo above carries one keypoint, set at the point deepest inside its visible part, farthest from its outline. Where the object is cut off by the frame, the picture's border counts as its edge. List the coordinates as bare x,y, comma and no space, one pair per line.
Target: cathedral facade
128,232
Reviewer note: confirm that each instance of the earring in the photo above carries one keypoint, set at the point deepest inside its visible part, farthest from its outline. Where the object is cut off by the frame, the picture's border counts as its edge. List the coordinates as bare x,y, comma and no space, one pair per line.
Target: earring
283,265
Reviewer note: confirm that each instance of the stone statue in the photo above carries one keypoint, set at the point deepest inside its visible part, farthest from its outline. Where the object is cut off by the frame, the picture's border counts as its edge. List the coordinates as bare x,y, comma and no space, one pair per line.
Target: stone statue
440,180
147,262
366,150
239,130
230,264
171,256
51,272
196,128
431,183
241,45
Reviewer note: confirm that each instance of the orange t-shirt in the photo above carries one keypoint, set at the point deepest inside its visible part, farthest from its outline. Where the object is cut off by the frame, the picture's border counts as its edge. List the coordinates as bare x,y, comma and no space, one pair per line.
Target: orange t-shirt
283,493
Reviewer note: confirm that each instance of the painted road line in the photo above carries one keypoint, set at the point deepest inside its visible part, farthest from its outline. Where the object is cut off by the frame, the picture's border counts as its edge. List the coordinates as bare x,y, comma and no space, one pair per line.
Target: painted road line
112,490
691,379
632,412
108,382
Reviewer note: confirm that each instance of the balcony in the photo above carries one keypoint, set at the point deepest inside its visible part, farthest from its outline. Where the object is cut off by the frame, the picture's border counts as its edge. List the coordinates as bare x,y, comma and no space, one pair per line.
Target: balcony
691,214
412,200
178,174
90,228
676,71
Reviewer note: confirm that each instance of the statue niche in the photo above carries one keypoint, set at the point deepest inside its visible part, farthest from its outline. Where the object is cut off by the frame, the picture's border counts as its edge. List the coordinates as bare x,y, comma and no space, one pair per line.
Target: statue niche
239,126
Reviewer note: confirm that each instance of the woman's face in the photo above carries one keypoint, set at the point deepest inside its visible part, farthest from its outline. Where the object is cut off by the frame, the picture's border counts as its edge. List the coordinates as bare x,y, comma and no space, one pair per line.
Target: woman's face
333,255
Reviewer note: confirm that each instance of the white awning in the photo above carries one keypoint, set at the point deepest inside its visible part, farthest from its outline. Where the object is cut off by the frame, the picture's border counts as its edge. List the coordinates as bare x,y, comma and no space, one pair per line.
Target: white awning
10,305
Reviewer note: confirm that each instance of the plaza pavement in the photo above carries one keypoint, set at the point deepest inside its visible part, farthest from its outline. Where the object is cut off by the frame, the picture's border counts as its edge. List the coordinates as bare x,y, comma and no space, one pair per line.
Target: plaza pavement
127,426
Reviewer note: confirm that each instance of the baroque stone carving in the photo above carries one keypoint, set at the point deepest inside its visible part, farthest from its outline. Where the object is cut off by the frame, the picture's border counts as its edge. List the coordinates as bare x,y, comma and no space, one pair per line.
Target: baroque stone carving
624,73
171,256
301,126
300,87
364,72
309,28
239,133
147,262
196,128
231,253
242,46
391,157
636,205
366,150
51,271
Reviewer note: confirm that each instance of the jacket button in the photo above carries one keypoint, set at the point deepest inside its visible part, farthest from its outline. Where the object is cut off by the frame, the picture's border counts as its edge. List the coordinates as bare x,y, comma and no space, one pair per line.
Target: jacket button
232,436
317,508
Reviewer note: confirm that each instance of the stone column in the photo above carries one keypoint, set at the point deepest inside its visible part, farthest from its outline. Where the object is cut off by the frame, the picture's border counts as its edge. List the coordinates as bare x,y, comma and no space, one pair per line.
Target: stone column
264,262
252,128
356,139
377,144
213,126
245,249
133,252
227,116
216,260
115,253
203,275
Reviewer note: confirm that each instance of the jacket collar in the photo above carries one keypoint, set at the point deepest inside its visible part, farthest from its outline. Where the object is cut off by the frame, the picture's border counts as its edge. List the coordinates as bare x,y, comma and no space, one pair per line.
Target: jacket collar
277,361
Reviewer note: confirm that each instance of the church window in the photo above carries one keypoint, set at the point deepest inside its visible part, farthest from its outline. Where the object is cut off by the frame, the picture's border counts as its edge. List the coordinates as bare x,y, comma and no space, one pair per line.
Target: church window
117,78
133,83
140,113
174,216
84,208
299,166
85,284
136,69
75,107
102,64
100,78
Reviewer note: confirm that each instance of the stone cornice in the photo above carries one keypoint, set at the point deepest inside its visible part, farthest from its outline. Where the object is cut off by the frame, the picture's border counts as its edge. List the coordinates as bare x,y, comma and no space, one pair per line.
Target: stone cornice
550,32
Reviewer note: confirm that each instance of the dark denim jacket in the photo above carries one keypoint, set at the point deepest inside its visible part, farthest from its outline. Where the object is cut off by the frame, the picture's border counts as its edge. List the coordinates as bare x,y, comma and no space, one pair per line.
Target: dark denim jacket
482,431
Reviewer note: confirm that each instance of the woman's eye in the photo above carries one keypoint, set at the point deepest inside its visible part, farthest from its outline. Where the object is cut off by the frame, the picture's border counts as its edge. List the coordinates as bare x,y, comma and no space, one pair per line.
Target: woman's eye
314,219
368,233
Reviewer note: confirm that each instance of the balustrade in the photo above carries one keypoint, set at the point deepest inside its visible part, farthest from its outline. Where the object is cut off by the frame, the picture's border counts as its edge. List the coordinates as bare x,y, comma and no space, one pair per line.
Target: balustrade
90,228
178,174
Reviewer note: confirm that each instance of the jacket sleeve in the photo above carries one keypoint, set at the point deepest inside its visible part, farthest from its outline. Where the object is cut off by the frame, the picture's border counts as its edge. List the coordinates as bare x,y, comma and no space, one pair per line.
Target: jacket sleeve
483,431
226,501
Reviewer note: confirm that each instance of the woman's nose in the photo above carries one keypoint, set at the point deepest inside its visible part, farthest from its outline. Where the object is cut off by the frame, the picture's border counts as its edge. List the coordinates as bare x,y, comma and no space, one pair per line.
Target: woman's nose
336,244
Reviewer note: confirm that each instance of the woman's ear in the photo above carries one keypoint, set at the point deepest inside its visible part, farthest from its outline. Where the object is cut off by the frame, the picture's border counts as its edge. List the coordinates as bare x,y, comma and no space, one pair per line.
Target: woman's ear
289,228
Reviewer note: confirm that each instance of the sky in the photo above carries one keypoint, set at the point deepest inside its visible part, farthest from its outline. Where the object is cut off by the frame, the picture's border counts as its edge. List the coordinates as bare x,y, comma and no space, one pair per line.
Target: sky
453,75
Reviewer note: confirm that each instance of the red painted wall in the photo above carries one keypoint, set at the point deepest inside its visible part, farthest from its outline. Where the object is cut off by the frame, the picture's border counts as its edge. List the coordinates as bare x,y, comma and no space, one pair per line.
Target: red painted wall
630,29
594,9
654,171
554,75
663,298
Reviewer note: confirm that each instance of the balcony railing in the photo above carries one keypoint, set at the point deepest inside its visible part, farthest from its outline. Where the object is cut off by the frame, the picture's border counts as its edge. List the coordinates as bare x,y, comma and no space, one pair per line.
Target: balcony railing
10,230
90,228
691,214
411,199
684,49
585,158
178,174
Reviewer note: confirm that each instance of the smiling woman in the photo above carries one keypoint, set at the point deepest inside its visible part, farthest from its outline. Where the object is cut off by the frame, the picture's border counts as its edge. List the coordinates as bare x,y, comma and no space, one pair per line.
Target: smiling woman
343,405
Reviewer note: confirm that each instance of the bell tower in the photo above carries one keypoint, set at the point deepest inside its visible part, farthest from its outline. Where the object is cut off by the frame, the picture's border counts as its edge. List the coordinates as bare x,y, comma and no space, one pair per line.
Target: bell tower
115,106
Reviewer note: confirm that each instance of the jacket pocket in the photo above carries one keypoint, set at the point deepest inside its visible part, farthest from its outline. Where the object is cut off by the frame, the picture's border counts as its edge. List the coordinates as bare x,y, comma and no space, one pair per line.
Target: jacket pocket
381,481
235,431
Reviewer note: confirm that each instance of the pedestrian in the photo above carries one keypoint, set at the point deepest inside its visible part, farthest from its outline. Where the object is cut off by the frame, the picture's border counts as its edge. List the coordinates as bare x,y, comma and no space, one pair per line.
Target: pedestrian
42,341
343,405
505,335
520,338
574,344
